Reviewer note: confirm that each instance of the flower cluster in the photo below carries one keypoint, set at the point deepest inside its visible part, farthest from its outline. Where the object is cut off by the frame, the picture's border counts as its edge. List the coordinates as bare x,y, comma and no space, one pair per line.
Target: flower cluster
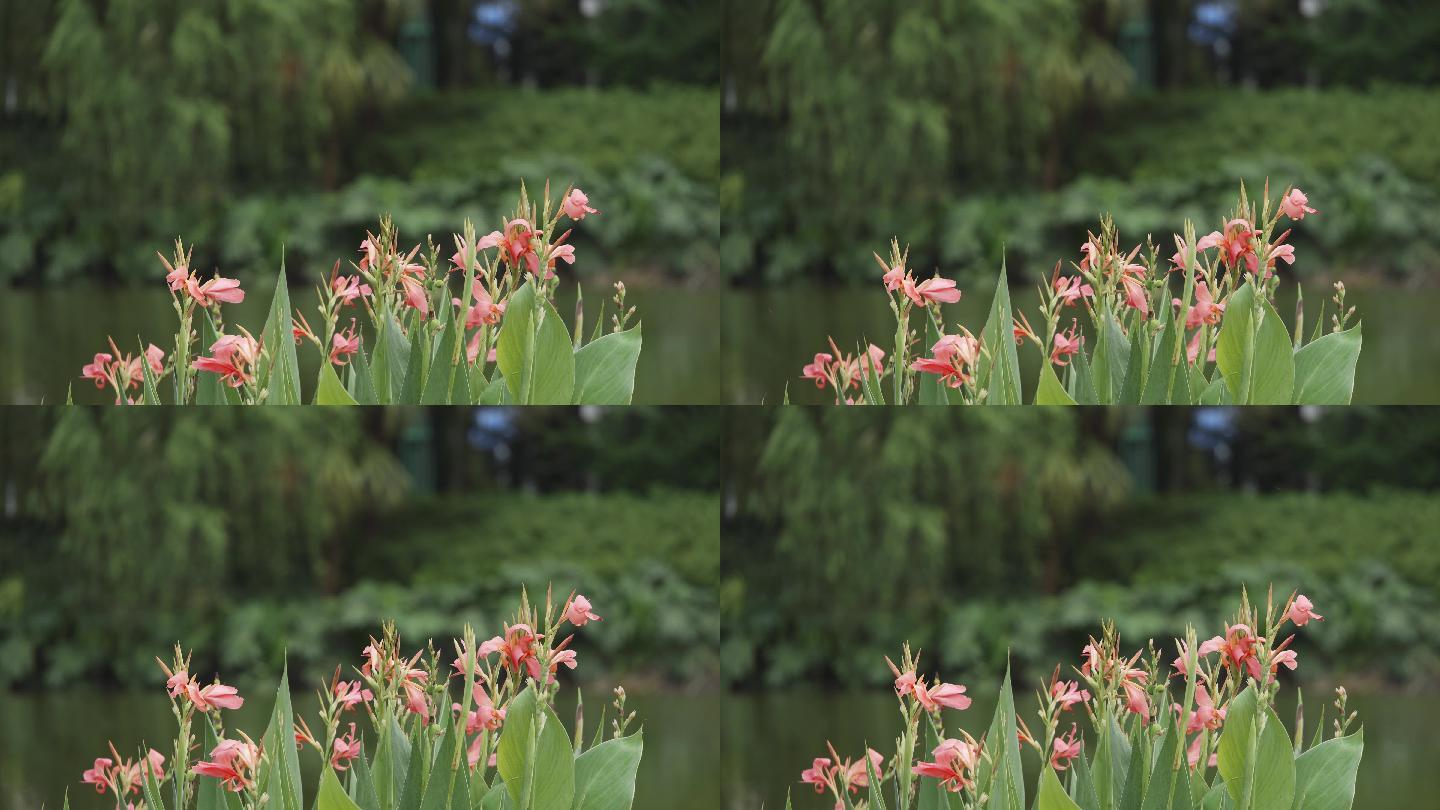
124,372
124,778
1109,688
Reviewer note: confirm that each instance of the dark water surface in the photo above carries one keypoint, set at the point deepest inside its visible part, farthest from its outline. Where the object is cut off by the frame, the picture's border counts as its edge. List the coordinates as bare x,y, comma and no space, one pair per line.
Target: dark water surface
770,334
47,740
47,335
768,739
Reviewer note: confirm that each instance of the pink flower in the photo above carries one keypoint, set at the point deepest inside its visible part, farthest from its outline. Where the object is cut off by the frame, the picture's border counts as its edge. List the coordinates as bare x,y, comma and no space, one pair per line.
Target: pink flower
1092,661
214,696
1135,294
818,774
1237,645
352,694
1210,240
232,356
1065,749
1206,715
369,254
349,288
1237,242
941,290
216,290
577,205
1136,700
893,278
874,357
155,762
415,700
1285,253
412,286
232,762
517,645
857,776
1302,611
905,683
578,612
1192,350
155,356
1091,253
96,370
176,683
954,759
346,749
1294,205
98,775
947,695
485,716
1205,310
1069,693
953,356
815,370
374,660
1066,344
175,279
484,312
343,344
1073,289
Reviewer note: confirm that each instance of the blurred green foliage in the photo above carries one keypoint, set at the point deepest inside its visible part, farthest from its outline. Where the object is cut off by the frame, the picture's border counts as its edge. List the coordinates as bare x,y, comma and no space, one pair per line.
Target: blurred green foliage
248,126
254,537
980,537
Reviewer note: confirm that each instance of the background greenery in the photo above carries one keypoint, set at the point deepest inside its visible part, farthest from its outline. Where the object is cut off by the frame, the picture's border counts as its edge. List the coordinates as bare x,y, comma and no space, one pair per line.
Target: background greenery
968,127
976,534
249,536
245,125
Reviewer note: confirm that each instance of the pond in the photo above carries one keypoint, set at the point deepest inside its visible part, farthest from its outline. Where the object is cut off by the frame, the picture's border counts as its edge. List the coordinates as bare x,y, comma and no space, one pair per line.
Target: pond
47,335
770,334
768,739
47,740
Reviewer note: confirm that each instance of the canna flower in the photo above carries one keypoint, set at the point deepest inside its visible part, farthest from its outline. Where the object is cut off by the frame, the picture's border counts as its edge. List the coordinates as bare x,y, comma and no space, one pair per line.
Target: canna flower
1091,252
1236,646
96,370
416,701
343,344
217,290
374,660
99,774
1192,350
1065,749
816,370
1066,344
905,684
346,749
1068,693
412,286
894,278
856,775
1092,663
1294,205
369,254
1302,611
1136,701
1205,310
1193,753
1236,243
516,647
176,683
349,289
233,762
578,612
1135,294
952,357
1072,290
946,695
954,760
352,694
817,774
214,696
484,312
485,716
232,357
576,206
1206,714
940,290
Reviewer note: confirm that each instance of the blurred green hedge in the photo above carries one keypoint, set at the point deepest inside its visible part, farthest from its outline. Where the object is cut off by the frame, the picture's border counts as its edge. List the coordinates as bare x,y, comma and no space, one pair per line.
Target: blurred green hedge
1369,561
648,563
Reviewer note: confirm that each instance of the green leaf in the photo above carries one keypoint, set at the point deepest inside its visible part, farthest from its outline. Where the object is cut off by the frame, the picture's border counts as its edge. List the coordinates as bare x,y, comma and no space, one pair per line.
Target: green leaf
151,391
496,392
1325,775
441,783
1325,368
605,775
284,378
1005,782
392,763
1112,359
1218,798
416,366
498,798
362,380
280,779
1082,380
415,770
536,358
389,359
1274,380
1136,366
1236,341
534,756
605,369
877,793
1049,391
1256,360
449,355
329,390
150,787
1160,792
999,373
870,384
1051,794
1168,380
1258,768
362,788
1112,763
331,795
1083,790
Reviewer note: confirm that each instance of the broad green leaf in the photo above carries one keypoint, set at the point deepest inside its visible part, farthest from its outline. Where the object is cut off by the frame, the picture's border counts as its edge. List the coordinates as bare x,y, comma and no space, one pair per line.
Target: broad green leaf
1049,391
440,372
1236,342
1325,775
392,763
1083,791
877,793
1136,367
496,392
1255,359
999,373
1005,783
362,385
329,390
605,775
441,782
1325,368
362,787
281,778
1082,380
331,795
416,366
1218,798
870,383
1168,380
284,377
151,392
1274,381
1161,791
1051,794
1136,774
150,787
415,772
605,369
498,798
1258,768
536,358
1111,360
546,780
1112,764
388,362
